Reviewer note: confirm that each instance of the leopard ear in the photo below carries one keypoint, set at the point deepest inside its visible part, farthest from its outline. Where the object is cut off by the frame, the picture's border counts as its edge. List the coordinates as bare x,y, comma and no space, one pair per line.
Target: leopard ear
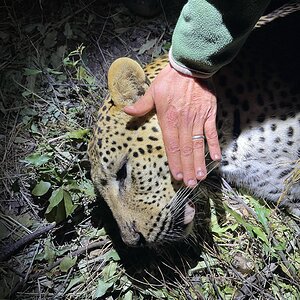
126,81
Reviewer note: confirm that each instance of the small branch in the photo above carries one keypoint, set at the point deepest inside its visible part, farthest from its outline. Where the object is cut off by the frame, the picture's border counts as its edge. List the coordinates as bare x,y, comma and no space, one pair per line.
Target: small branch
79,251
6,252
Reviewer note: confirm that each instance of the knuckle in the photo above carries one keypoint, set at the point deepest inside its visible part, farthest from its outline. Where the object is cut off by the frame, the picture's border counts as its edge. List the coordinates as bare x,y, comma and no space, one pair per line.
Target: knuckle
199,121
211,134
187,150
173,147
213,143
198,144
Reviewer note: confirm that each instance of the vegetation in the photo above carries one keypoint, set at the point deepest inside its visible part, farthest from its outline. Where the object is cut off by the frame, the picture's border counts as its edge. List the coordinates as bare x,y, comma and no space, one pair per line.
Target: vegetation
54,61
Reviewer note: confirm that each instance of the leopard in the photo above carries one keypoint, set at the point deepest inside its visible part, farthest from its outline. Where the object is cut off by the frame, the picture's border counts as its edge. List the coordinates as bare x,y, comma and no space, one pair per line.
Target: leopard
258,122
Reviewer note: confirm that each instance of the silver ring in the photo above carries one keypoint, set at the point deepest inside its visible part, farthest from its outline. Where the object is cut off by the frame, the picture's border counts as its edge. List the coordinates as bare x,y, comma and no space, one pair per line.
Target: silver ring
198,137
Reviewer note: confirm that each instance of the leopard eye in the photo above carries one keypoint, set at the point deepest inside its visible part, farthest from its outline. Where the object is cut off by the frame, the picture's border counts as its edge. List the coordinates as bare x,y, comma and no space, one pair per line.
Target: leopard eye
122,174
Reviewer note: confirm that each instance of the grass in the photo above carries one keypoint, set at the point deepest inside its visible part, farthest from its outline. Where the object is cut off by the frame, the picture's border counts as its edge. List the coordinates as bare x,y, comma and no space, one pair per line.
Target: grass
53,77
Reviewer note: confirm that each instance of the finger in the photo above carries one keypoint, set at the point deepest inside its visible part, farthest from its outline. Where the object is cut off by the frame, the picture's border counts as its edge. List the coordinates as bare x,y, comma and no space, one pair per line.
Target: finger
199,152
169,127
211,135
186,149
141,106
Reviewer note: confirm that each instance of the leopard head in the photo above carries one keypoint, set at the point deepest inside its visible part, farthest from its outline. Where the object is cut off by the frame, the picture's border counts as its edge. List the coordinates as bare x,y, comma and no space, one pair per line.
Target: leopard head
129,166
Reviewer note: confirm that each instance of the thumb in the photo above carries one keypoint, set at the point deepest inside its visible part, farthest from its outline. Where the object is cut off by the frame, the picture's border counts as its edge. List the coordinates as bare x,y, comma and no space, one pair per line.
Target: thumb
140,107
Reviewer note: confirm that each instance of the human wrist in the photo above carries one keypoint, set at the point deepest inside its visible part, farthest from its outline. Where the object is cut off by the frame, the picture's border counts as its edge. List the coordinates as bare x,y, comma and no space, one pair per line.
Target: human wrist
188,71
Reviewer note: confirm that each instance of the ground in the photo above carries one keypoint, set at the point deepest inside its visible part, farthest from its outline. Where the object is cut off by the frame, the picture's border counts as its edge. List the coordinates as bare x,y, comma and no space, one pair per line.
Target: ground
54,60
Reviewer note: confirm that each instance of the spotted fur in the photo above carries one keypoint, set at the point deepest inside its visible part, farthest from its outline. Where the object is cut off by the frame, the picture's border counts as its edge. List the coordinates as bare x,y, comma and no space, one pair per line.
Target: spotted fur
259,130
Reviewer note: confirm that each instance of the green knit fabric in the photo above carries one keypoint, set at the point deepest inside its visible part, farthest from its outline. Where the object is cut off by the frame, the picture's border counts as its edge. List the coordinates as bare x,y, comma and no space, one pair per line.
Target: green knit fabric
210,33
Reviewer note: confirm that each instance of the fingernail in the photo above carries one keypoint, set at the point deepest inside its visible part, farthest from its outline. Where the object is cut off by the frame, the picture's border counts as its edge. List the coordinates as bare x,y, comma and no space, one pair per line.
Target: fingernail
192,182
179,176
217,157
200,173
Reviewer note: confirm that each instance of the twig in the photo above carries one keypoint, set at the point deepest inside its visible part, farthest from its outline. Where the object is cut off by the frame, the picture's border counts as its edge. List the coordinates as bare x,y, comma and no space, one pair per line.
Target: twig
77,252
13,222
29,203
7,251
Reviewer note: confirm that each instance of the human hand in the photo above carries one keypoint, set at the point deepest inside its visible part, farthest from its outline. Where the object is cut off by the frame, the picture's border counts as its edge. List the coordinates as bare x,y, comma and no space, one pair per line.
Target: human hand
185,107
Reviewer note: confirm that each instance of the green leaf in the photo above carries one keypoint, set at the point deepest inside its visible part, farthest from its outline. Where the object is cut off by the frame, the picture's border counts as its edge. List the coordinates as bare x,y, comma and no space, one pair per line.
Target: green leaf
31,72
89,79
167,46
56,60
73,185
109,271
51,71
66,154
34,128
68,31
49,253
281,246
147,46
128,296
237,217
156,293
112,254
20,140
28,112
69,206
26,93
240,220
126,283
67,263
88,189
56,197
262,214
42,28
41,188
257,230
216,228
90,19
102,288
25,219
83,74
50,39
26,120
37,159
76,280
78,134
57,214
201,265
68,62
